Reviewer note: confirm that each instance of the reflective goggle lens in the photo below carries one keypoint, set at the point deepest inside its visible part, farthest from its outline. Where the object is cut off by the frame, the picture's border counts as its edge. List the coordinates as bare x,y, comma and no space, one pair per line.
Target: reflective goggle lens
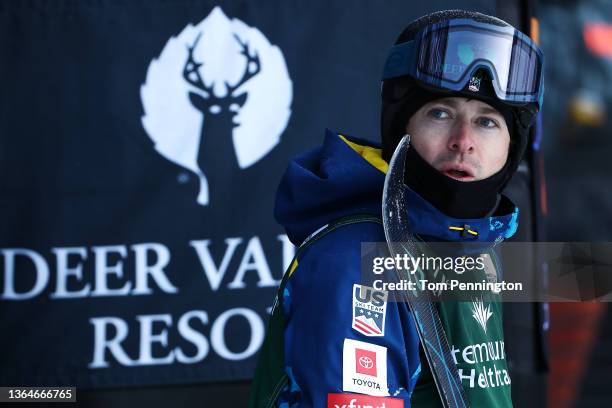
448,54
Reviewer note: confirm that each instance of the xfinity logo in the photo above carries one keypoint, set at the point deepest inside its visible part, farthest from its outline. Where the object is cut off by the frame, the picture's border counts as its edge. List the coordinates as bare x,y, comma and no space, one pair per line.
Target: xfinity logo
216,99
347,400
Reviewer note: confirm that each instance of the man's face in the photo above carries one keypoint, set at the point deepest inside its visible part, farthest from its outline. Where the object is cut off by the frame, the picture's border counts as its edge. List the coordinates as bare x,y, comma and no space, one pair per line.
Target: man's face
465,139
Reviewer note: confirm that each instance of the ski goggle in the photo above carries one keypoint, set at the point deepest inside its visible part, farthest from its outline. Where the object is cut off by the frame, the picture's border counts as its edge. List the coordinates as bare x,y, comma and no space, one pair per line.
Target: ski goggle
448,55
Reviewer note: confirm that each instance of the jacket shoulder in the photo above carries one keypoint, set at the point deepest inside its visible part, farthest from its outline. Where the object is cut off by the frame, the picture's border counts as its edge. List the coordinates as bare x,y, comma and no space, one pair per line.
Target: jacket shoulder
337,255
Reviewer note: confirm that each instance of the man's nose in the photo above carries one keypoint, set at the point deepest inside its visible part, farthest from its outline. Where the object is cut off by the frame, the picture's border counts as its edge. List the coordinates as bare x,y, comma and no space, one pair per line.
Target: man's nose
461,139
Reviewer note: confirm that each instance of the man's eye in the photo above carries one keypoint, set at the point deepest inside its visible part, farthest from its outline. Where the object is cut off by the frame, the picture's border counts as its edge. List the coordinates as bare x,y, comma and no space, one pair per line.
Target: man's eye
438,114
487,122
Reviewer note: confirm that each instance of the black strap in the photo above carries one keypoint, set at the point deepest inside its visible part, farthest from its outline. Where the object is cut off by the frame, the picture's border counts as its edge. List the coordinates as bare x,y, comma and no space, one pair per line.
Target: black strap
270,377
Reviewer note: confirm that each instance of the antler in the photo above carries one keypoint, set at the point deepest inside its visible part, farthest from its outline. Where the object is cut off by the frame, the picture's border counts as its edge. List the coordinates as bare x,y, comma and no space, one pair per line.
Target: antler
247,73
191,71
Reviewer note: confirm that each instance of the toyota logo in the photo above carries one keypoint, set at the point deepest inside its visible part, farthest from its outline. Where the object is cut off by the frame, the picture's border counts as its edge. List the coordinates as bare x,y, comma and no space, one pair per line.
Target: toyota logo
366,362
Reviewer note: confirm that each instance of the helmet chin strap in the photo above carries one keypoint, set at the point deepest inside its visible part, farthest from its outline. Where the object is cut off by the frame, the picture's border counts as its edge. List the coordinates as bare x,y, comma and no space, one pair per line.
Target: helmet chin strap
454,198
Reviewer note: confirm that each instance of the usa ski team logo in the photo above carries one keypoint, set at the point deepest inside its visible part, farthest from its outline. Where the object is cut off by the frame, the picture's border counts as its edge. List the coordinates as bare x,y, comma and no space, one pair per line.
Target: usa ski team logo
369,310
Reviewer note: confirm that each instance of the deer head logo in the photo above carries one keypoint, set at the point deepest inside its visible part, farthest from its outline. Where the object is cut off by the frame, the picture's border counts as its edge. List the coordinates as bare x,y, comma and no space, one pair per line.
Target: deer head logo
216,100
220,110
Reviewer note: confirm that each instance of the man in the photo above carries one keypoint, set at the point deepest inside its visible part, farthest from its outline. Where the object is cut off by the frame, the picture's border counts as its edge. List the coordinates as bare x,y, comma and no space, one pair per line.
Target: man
466,88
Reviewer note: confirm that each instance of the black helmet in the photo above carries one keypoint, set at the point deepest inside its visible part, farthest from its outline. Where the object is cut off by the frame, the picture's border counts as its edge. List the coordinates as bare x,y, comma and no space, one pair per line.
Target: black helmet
405,87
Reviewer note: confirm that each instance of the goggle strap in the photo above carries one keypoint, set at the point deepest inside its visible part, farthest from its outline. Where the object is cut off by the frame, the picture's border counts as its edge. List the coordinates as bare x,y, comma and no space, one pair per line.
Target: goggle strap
399,60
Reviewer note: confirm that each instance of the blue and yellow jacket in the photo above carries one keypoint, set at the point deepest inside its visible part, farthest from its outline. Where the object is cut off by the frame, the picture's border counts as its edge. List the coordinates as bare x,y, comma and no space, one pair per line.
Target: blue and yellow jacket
332,341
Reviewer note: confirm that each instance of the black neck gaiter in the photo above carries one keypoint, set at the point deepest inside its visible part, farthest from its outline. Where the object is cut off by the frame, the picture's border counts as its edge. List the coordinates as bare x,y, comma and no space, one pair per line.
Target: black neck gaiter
456,199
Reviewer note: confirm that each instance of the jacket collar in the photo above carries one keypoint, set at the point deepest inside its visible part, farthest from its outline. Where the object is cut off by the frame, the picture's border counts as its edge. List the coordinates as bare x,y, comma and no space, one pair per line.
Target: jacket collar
431,224
428,222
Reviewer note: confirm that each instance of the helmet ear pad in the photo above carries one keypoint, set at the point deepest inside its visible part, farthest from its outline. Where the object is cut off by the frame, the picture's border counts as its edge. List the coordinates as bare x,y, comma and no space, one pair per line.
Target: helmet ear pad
524,117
